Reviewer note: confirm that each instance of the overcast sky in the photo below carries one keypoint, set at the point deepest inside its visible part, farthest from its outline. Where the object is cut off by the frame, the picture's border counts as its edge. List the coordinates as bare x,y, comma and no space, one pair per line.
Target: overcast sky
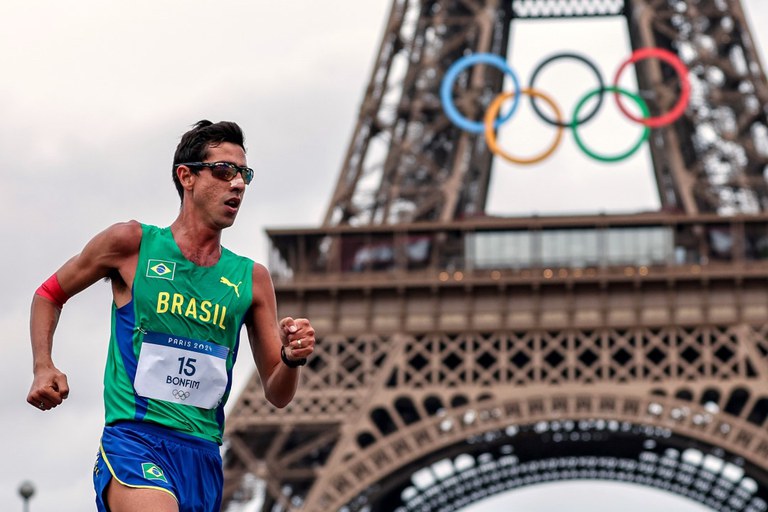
94,96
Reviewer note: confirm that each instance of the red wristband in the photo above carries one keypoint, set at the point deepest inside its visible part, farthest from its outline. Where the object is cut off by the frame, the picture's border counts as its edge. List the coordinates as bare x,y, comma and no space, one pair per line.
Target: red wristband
51,290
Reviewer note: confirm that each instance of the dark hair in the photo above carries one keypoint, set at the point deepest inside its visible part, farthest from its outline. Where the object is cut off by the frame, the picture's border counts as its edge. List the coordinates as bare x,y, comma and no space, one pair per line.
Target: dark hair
194,145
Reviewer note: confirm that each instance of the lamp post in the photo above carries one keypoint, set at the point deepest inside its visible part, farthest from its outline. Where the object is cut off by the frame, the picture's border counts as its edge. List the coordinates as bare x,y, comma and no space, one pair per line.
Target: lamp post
26,490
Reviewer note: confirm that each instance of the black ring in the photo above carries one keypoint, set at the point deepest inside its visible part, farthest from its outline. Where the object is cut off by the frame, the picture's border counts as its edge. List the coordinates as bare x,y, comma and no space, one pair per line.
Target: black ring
599,80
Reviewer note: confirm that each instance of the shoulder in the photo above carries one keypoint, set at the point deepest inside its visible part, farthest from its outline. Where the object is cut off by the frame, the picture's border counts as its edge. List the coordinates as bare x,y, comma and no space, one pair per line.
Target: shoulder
114,248
123,237
118,241
263,288
261,275
129,230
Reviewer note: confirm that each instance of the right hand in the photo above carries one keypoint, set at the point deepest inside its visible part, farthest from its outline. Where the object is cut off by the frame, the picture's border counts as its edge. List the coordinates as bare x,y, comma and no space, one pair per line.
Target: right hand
49,389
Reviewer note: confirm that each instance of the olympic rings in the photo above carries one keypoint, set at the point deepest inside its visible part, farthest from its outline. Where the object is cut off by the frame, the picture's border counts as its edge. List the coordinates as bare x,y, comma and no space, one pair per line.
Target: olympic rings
180,394
682,73
490,136
578,57
457,67
492,120
626,154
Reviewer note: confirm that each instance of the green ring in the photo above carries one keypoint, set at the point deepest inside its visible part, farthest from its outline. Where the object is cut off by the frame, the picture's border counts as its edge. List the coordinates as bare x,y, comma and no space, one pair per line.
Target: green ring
575,123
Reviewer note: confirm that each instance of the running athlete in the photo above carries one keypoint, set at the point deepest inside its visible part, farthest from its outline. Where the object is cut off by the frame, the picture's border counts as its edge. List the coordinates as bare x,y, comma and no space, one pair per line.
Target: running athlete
180,299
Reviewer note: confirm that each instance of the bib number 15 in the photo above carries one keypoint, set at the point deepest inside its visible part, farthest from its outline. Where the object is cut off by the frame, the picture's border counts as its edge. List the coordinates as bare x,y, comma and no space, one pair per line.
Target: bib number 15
187,366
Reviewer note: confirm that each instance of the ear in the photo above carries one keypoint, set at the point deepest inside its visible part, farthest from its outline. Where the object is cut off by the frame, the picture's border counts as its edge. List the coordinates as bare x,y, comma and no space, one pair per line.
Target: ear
186,176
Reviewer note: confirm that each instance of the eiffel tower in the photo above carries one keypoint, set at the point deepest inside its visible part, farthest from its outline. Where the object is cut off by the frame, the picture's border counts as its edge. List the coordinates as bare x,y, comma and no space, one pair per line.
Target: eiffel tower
462,355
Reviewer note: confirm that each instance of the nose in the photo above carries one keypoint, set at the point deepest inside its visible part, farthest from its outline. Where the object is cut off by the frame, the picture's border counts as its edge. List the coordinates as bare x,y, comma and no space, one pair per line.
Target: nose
238,181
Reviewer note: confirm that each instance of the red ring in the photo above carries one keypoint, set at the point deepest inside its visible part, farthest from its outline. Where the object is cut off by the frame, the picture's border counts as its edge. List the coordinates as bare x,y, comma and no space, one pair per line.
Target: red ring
685,86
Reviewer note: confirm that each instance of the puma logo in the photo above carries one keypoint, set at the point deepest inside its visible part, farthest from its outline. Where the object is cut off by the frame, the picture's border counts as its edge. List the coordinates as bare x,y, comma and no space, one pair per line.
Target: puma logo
231,285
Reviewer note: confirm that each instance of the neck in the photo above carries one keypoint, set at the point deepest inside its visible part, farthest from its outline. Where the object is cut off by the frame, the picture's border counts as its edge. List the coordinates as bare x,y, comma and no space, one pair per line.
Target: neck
199,244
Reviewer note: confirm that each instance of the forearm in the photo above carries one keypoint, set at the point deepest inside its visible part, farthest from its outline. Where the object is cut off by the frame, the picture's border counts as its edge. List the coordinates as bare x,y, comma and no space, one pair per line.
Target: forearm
49,386
43,319
281,385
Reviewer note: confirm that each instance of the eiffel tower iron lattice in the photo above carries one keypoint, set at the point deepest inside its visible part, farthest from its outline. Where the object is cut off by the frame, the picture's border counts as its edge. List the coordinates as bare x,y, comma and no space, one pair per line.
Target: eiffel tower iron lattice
461,355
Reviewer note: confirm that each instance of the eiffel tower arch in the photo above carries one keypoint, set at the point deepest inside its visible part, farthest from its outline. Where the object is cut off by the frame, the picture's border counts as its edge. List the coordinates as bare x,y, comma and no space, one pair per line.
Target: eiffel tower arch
463,355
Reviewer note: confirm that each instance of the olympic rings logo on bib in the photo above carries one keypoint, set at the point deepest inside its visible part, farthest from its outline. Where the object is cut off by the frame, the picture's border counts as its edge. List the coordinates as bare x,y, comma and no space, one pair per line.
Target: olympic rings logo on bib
492,118
180,394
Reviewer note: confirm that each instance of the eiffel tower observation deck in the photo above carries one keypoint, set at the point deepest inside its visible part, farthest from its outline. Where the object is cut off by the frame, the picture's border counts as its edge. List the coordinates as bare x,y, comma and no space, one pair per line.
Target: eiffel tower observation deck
463,354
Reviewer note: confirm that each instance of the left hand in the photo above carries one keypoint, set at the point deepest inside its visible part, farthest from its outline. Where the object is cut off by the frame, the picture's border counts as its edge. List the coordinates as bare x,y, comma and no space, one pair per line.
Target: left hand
298,337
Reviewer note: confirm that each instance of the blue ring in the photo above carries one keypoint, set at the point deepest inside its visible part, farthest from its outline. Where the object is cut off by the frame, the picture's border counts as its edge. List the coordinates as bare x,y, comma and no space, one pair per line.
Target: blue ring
446,88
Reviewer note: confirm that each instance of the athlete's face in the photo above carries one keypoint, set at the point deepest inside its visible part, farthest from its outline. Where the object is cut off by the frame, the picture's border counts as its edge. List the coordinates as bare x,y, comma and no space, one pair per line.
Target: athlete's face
220,200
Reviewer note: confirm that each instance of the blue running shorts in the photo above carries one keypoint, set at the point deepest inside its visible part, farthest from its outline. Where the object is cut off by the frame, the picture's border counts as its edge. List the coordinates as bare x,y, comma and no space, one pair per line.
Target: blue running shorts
147,456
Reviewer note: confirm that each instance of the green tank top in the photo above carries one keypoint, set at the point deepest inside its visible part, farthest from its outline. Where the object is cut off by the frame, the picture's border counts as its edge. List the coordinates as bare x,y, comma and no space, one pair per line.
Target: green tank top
172,348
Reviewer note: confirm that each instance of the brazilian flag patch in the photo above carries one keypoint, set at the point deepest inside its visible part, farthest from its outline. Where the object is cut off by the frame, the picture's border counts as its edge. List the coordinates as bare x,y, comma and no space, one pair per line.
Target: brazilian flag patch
152,472
161,269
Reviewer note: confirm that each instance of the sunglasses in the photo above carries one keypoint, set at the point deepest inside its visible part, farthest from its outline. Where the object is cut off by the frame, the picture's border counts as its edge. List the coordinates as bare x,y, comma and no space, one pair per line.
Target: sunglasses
222,170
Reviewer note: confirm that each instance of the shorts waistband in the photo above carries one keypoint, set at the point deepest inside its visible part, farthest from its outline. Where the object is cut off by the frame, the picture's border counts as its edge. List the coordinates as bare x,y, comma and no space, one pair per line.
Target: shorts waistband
167,433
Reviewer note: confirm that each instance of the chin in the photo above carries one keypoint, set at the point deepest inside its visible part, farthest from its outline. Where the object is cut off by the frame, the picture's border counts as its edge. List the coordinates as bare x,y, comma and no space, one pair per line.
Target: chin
226,222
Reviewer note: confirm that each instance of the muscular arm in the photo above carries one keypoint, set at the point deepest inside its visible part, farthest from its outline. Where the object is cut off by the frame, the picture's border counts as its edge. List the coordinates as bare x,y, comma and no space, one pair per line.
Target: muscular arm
267,335
108,254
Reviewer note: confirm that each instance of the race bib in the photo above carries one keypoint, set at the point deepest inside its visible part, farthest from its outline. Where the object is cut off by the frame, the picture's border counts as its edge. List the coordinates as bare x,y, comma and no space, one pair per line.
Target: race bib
181,370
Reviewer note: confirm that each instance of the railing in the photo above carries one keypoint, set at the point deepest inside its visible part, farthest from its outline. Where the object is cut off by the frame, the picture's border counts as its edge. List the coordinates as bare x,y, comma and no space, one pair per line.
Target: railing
517,245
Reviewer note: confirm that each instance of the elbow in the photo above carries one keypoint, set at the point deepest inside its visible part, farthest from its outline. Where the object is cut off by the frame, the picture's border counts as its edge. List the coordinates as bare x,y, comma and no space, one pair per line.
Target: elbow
280,404
278,400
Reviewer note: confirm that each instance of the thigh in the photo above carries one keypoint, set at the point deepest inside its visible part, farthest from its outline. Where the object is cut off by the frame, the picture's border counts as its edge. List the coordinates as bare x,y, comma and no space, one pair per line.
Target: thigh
137,465
129,461
121,498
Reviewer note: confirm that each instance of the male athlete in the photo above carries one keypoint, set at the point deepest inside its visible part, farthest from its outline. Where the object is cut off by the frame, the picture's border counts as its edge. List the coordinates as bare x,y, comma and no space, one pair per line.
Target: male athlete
180,299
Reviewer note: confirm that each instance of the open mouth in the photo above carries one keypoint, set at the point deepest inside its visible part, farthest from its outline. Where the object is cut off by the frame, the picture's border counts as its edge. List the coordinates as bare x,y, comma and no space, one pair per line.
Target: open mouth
233,203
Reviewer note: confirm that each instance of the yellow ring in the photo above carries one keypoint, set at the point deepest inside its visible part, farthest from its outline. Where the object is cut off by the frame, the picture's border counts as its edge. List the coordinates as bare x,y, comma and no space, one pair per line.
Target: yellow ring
490,135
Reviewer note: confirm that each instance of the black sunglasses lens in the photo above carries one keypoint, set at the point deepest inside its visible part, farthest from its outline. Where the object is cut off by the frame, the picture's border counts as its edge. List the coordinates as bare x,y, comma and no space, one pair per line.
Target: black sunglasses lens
224,172
227,172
